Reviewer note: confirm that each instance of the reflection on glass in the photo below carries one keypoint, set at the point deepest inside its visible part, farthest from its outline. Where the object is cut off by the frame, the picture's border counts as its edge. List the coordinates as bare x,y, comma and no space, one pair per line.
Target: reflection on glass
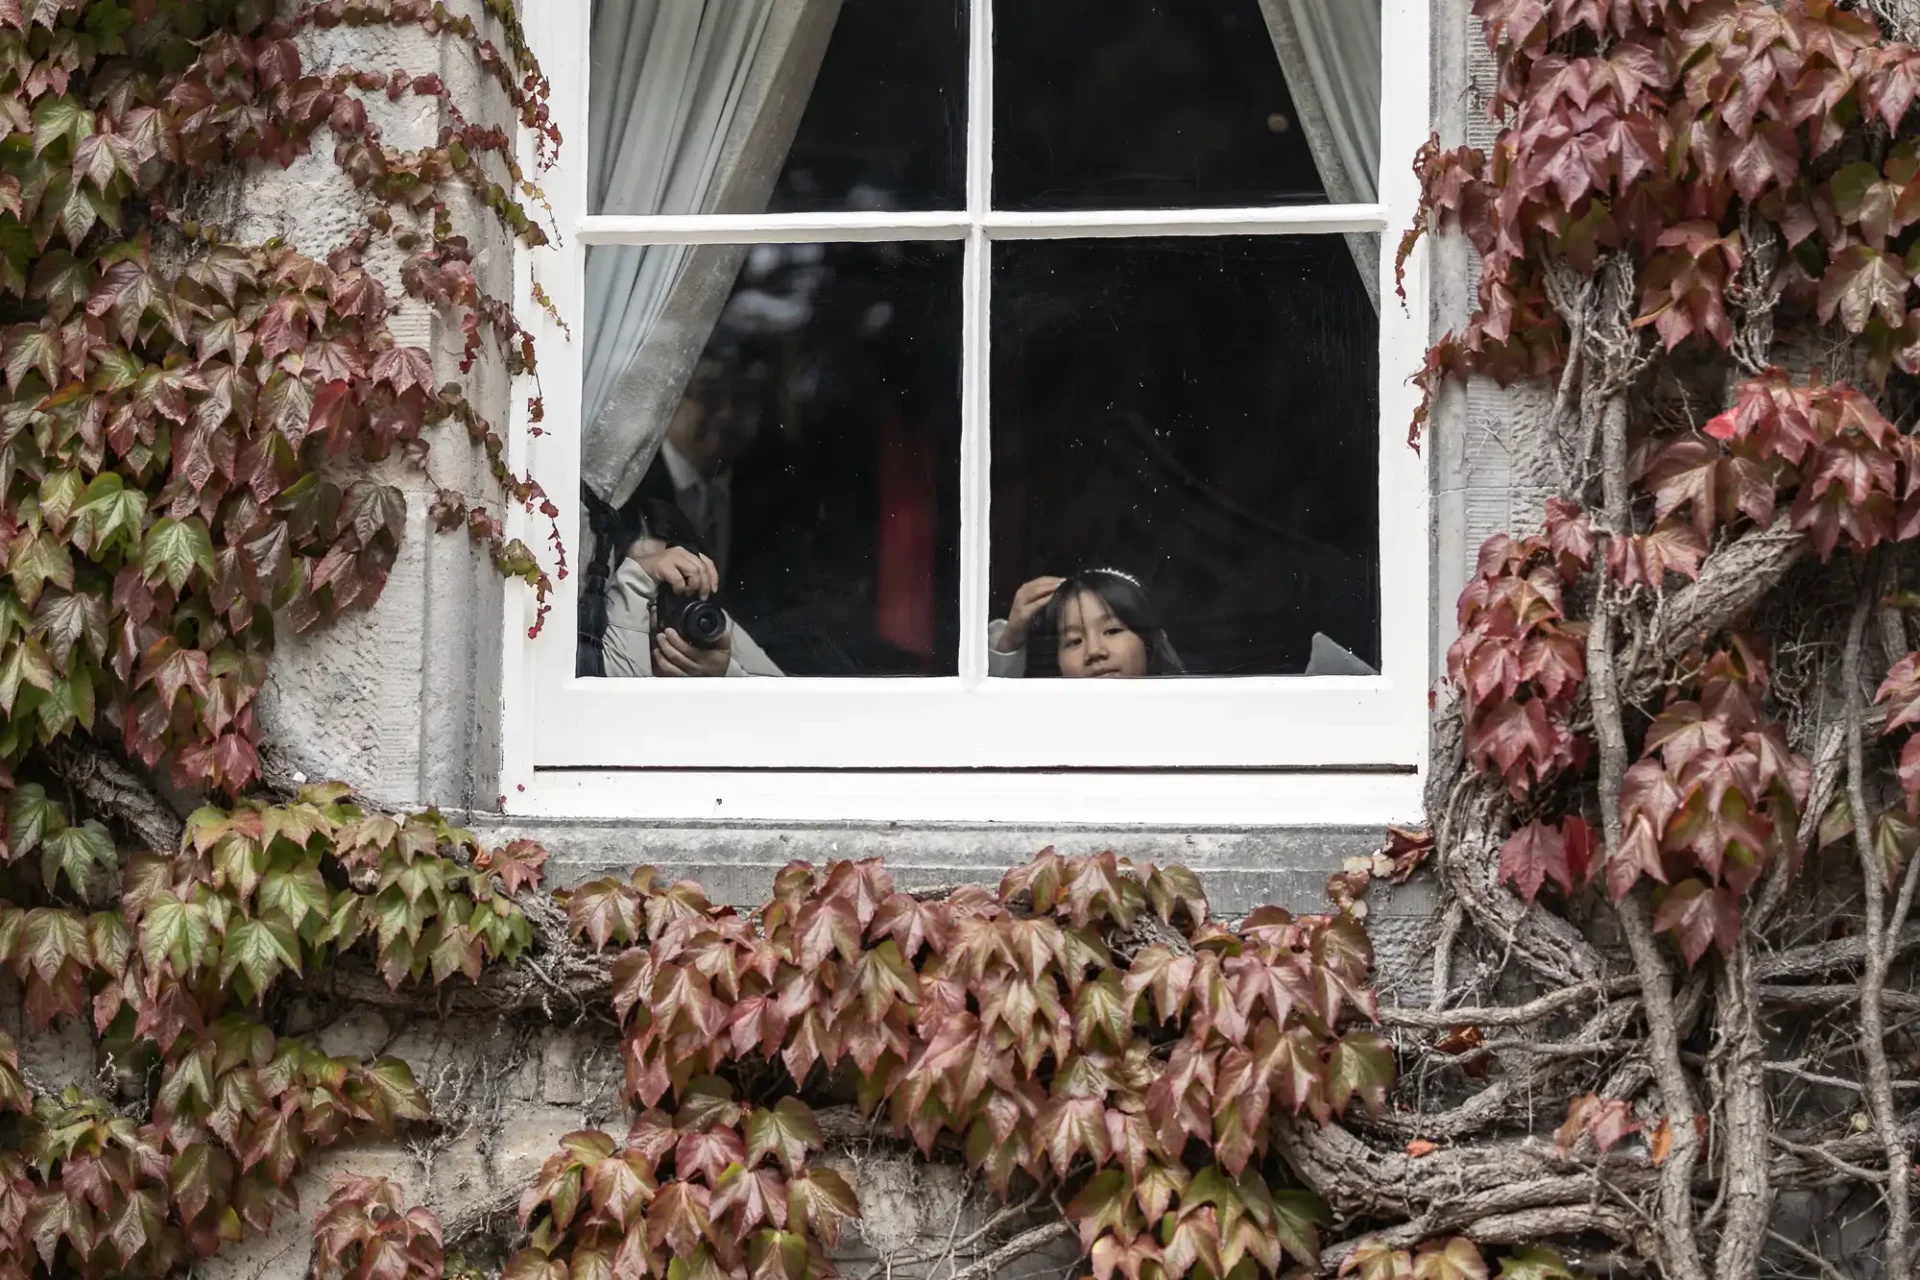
1185,445
772,480
751,106
1185,103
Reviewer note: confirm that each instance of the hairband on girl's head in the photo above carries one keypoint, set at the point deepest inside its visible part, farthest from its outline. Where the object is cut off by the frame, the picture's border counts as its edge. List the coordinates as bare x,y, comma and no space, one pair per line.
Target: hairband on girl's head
1121,574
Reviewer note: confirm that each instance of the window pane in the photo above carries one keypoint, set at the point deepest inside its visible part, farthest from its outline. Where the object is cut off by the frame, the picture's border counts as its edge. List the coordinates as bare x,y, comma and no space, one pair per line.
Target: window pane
809,399
1185,103
751,106
1201,415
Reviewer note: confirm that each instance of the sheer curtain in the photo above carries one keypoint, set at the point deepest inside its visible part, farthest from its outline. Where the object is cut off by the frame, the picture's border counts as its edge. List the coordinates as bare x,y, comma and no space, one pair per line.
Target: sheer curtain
694,104
1330,53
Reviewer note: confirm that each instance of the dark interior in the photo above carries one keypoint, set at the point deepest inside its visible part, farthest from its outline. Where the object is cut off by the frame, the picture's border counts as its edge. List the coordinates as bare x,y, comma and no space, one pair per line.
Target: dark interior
1116,104
1201,414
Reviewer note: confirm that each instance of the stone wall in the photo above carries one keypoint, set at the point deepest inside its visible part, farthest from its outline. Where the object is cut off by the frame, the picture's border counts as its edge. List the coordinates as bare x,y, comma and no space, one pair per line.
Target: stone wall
403,702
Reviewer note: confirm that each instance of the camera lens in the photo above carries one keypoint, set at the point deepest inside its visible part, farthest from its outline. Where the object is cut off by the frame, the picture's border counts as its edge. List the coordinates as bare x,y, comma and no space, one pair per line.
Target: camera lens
703,623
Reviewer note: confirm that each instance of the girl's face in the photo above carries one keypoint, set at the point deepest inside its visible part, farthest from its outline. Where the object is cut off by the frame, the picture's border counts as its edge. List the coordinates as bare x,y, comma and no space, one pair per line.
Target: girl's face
1095,643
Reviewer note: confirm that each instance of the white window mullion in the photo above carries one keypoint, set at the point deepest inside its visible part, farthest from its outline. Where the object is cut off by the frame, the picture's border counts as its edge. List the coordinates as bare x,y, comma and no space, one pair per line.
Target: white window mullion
976,453
976,461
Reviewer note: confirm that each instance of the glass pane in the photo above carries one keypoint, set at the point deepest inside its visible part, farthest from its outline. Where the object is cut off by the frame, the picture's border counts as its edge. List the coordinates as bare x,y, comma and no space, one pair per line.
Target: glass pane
1200,416
751,106
1185,103
792,414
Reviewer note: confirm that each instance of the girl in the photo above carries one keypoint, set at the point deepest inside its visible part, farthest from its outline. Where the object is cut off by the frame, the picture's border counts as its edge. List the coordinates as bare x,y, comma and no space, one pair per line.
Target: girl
1104,623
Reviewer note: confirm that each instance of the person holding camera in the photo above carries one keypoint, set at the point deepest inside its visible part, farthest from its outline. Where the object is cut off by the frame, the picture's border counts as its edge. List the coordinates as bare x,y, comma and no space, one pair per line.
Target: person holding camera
664,620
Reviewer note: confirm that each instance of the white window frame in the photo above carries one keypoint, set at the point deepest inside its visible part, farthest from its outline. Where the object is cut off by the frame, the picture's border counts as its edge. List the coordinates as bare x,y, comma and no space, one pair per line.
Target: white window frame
1280,751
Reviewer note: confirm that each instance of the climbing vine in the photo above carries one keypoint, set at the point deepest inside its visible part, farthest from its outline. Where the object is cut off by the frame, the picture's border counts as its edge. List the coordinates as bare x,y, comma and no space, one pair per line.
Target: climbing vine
1675,802
1677,787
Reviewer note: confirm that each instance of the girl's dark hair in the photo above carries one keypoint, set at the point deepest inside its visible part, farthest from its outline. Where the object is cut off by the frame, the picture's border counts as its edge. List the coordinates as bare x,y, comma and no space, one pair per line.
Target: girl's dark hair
1128,601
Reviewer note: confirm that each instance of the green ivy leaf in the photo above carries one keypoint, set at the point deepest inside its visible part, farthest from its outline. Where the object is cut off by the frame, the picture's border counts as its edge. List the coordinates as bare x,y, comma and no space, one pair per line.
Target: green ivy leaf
1534,1262
85,855
819,1201
31,817
1102,1013
1100,1204
777,1255
296,893
26,663
393,1095
58,118
174,549
1361,1065
260,949
36,561
174,932
1297,1218
108,512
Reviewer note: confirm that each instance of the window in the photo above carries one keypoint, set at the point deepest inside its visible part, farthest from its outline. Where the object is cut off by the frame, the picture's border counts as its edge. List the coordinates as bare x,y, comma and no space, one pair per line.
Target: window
957,348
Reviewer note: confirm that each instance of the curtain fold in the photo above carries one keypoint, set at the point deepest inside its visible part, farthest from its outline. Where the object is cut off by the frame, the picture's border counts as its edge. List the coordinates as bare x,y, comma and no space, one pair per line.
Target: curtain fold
693,106
1330,54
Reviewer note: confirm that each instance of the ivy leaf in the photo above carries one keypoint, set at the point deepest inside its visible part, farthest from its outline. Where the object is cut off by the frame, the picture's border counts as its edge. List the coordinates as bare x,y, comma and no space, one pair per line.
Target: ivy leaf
1699,916
1456,1258
1297,1217
404,368
392,1094
175,548
49,939
532,1264
1534,1262
1537,853
1071,1127
823,927
195,1172
1860,195
678,1217
176,933
819,1202
1361,1065
1164,976
260,949
788,1132
622,1187
68,618
606,911
85,855
1861,281
108,511
296,893
1102,1013
1375,1259
58,118
1100,1205
32,816
520,865
36,561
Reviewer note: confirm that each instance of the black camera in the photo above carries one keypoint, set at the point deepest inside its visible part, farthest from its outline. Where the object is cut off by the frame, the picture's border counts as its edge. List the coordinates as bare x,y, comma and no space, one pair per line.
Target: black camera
701,623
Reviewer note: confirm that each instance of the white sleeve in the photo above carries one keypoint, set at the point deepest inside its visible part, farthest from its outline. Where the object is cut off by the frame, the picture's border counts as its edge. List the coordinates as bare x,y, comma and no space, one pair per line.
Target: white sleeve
1010,665
749,659
628,646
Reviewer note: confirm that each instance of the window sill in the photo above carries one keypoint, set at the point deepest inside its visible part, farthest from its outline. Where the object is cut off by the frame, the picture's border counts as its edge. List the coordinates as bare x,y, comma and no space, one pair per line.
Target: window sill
996,798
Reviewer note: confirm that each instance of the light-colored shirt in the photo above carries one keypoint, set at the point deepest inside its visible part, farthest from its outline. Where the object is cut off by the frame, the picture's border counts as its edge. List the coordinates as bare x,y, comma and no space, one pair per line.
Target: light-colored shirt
628,645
